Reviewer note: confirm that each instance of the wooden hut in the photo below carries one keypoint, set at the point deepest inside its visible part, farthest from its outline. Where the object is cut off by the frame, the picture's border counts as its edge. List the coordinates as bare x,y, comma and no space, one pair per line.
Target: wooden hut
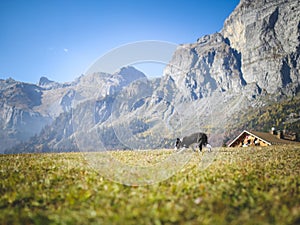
254,138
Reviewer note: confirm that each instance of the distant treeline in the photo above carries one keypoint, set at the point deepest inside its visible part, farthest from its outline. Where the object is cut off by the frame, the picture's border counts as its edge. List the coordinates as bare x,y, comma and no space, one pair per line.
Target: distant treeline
284,115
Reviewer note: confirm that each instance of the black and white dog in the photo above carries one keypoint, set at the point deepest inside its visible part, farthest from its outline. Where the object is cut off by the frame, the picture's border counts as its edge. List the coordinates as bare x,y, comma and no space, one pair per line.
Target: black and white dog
197,138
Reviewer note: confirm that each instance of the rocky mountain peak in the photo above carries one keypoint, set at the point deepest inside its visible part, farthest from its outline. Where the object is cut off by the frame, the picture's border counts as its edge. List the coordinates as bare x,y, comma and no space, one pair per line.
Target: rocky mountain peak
44,81
130,73
212,39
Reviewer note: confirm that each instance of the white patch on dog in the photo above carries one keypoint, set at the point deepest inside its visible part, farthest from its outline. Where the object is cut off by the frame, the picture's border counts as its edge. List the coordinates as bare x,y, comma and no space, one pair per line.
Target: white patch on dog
209,147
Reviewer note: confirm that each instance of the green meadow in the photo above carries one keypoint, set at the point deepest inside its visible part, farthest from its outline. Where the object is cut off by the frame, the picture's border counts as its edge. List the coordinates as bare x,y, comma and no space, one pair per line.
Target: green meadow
241,186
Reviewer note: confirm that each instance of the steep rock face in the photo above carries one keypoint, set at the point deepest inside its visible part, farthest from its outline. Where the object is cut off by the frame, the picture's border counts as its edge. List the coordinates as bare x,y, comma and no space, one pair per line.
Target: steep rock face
18,121
206,66
267,35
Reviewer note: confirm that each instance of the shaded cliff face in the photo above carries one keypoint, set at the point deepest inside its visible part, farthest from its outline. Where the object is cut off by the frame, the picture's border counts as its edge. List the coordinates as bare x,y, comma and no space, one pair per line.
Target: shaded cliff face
267,35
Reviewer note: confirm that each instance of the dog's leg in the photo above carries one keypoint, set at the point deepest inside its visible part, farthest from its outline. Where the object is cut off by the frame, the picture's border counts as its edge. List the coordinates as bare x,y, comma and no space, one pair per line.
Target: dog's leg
209,147
200,145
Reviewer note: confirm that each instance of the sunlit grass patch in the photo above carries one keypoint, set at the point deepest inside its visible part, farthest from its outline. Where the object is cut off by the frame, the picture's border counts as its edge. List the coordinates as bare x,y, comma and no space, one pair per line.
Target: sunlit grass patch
142,157
241,186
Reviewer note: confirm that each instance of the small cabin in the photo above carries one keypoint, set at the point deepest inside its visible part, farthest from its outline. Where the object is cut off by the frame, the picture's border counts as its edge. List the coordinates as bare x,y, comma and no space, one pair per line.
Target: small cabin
255,138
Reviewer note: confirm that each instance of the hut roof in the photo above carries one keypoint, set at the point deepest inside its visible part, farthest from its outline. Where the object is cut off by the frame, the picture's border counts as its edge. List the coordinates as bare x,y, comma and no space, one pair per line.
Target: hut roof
266,137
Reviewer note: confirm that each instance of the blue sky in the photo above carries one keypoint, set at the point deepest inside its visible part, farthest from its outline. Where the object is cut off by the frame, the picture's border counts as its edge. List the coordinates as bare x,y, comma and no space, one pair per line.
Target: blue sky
61,38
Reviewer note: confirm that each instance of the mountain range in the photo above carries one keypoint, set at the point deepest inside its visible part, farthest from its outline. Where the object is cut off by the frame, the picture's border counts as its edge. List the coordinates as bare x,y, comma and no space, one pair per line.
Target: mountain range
210,85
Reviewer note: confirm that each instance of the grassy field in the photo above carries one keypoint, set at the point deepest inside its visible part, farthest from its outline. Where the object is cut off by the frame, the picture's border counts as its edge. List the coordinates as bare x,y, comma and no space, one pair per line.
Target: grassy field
242,186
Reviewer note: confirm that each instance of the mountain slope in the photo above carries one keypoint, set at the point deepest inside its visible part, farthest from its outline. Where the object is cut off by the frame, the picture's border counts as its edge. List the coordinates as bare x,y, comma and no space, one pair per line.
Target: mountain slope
210,85
284,115
18,120
27,108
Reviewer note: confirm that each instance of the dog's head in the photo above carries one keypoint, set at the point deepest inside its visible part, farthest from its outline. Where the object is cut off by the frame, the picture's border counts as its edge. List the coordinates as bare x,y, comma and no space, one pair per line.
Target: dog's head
178,143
